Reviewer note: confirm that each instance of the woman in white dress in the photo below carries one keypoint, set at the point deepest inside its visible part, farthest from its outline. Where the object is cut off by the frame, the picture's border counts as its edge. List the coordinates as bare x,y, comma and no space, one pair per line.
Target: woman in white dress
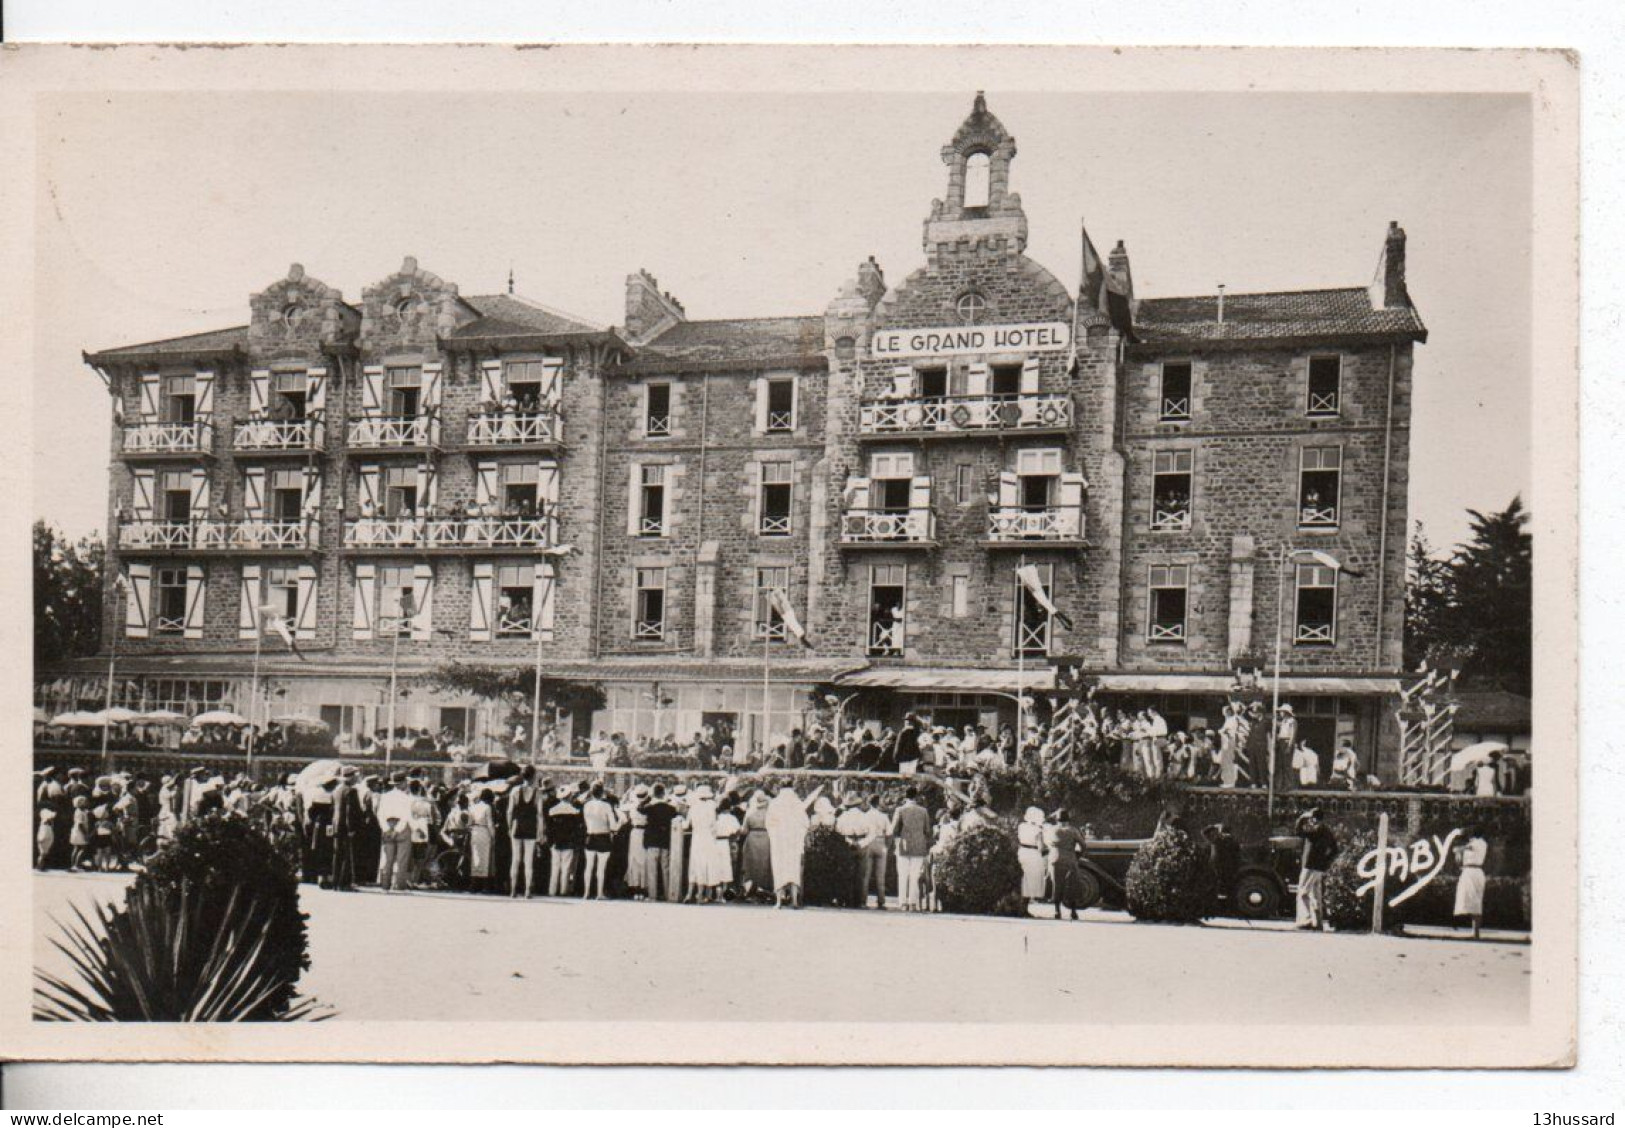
702,843
1030,852
1470,885
481,834
637,879
787,837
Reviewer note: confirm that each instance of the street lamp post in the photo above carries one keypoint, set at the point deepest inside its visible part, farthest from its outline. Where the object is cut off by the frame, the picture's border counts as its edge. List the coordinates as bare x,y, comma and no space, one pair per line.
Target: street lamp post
119,584
554,554
1287,553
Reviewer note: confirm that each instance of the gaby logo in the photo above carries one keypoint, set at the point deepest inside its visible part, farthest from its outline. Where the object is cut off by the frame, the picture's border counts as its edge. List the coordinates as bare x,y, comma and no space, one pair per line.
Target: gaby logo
1411,868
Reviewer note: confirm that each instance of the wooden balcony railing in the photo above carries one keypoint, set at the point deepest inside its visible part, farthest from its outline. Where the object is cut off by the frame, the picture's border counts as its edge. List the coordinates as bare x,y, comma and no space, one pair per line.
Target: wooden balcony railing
915,525
152,437
466,533
262,435
394,432
1023,411
1022,523
505,427
219,536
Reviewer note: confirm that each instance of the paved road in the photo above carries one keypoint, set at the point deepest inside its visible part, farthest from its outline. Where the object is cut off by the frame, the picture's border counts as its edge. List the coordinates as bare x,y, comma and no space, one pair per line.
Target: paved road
445,956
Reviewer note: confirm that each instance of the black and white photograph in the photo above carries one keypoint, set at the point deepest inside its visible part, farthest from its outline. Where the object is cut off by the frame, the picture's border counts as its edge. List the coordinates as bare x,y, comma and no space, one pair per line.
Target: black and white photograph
624,567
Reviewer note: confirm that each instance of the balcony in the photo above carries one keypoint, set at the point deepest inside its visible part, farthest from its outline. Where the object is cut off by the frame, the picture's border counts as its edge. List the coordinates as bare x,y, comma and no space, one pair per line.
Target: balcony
196,537
152,439
1315,516
393,432
885,640
1025,525
914,527
261,437
499,429
494,534
927,416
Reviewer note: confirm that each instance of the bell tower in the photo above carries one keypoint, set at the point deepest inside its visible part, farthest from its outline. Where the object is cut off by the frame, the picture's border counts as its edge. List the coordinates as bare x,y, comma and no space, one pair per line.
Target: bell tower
979,208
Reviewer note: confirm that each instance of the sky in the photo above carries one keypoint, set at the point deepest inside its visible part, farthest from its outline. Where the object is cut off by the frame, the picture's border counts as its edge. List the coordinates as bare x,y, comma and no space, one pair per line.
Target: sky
160,213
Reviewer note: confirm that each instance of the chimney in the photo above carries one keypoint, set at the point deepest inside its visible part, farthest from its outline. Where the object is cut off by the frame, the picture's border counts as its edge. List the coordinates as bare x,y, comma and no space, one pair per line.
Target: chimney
649,312
1221,303
871,282
1388,287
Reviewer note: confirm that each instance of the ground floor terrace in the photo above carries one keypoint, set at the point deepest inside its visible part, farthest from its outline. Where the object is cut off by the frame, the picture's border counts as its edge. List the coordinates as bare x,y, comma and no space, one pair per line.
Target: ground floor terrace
737,704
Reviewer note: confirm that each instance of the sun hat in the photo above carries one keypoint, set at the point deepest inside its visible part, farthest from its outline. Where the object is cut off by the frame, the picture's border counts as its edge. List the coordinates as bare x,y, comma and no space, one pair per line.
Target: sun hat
1033,815
703,791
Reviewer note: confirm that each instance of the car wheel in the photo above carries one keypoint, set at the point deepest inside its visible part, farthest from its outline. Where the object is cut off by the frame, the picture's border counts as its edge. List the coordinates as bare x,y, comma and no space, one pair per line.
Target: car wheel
1086,890
1256,896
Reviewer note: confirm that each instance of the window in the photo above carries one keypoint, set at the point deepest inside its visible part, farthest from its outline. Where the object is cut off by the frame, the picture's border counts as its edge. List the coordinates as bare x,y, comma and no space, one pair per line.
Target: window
1170,585
515,590
346,720
651,501
524,379
765,618
1032,620
959,588
175,497
280,591
180,399
1316,606
397,602
1325,385
169,602
932,382
657,410
649,615
1005,379
519,489
1320,478
290,392
400,491
1171,490
1037,472
287,498
887,585
405,390
774,508
978,180
891,479
1176,392
964,483
971,307
781,404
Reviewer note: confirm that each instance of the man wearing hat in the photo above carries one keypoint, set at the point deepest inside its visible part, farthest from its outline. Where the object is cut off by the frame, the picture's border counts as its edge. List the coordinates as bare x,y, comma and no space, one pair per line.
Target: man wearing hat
395,825
345,828
1286,736
1319,850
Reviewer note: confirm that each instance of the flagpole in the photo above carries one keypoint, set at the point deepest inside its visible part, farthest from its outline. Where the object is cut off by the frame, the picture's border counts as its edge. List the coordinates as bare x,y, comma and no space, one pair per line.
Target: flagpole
394,661
254,686
1021,657
767,691
112,665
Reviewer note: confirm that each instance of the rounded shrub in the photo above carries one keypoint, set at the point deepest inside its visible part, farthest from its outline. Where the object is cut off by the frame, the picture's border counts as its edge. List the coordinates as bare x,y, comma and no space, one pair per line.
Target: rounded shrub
217,860
979,872
1170,878
1345,910
829,868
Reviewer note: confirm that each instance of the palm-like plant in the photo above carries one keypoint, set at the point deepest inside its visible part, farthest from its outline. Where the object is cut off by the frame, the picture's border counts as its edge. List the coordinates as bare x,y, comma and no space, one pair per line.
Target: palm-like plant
162,959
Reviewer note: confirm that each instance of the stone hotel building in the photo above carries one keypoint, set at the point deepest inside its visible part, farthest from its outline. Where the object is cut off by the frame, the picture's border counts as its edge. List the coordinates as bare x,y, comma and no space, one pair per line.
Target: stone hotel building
421,476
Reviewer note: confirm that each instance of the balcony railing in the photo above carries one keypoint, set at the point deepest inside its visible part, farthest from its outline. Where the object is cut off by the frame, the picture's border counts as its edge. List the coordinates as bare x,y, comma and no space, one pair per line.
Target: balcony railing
886,639
1317,516
1176,409
649,630
394,432
514,427
1323,403
915,525
1167,632
262,435
1169,517
966,414
1021,523
219,536
151,437
497,532
1315,634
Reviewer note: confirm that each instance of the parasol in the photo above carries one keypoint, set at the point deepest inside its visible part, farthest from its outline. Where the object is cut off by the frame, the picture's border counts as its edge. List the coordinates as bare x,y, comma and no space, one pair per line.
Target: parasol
1462,763
76,720
220,717
117,715
293,720
313,775
161,717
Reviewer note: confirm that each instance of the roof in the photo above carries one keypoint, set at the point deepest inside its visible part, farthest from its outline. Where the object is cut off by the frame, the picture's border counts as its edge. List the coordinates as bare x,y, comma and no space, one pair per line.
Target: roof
216,341
508,315
1278,317
749,342
1492,710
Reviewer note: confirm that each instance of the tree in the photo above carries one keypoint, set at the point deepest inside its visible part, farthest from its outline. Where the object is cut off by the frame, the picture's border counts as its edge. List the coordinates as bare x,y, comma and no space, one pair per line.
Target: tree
516,686
1475,611
67,595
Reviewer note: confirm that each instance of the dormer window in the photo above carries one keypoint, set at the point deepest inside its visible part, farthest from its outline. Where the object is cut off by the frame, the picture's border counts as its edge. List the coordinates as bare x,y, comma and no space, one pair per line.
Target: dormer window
978,180
972,305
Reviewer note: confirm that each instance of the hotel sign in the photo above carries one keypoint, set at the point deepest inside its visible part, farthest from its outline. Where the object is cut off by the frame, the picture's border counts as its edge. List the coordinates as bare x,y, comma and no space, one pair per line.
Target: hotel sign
965,340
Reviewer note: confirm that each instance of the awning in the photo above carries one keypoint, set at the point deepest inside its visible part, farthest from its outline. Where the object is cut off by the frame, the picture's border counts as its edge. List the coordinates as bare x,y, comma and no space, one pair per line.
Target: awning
950,680
1291,686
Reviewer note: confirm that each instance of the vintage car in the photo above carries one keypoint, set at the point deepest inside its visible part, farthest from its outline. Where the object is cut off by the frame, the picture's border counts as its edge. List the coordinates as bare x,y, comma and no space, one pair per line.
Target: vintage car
1262,887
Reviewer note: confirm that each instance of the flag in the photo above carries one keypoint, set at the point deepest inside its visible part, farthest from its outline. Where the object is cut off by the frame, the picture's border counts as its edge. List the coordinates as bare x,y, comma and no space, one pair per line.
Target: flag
277,625
776,599
1028,575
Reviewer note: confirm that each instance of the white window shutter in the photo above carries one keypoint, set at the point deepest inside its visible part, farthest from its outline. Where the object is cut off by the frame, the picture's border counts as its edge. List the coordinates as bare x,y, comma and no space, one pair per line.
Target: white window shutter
795,403
485,483
259,392
1009,489
427,488
369,479
254,493
423,592
902,382
366,583
194,601
857,493
304,627
491,382
200,494
311,503
203,405
431,384
552,379
1029,375
976,379
137,600
141,493
1071,504
479,602
544,599
759,388
315,392
919,493
547,483
150,385
372,390
634,500
247,606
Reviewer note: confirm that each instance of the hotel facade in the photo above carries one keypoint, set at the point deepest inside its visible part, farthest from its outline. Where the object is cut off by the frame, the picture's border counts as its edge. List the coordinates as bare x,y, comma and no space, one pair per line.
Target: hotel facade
421,477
